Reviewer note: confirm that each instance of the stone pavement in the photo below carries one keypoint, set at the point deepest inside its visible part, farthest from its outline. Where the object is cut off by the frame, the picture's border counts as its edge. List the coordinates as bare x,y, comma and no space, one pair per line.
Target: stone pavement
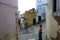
33,35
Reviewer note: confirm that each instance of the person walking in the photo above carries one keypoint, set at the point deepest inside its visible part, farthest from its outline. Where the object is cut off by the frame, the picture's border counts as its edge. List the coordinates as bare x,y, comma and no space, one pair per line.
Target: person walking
26,27
40,33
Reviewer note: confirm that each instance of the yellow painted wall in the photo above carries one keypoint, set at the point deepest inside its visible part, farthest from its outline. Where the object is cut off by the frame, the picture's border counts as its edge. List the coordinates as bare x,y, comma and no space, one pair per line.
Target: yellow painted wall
30,17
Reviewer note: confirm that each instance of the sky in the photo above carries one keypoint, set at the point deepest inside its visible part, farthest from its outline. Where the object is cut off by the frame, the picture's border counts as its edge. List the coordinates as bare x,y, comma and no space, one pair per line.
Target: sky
24,5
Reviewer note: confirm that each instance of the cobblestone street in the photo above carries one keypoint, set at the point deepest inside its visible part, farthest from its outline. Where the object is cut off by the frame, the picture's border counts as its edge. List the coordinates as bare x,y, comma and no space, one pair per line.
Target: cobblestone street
33,33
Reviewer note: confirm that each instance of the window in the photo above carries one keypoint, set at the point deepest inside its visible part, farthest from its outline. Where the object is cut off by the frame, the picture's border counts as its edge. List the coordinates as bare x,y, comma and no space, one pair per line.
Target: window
39,1
56,5
39,6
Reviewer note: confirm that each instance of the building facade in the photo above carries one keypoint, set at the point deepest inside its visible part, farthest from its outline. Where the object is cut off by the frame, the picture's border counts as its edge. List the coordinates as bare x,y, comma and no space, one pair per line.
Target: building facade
53,20
29,16
8,8
40,6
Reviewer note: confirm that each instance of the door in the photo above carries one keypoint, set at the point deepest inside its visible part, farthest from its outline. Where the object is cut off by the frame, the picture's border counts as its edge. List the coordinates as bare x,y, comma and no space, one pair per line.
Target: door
34,21
39,18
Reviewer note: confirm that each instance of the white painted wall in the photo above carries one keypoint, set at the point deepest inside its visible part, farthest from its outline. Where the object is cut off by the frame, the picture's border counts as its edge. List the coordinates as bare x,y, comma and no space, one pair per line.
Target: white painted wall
52,25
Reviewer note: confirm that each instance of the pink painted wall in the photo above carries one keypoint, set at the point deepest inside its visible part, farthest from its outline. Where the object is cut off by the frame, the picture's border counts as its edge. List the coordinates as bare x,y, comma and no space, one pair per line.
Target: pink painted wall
10,2
7,18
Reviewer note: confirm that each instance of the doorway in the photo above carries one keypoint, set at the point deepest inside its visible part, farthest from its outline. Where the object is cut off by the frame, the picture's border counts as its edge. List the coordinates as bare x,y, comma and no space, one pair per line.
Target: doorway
34,21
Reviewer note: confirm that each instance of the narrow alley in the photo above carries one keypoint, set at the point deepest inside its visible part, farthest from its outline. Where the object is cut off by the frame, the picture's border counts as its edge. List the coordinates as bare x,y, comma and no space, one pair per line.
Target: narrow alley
33,34
29,19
